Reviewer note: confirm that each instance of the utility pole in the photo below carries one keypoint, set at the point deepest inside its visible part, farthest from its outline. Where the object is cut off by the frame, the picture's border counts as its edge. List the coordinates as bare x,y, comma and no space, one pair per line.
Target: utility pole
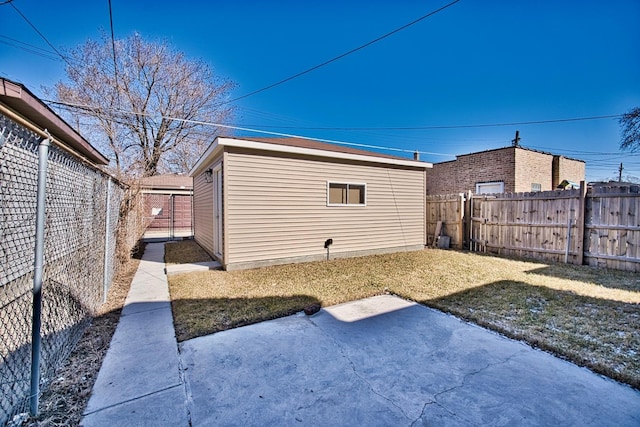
620,173
516,141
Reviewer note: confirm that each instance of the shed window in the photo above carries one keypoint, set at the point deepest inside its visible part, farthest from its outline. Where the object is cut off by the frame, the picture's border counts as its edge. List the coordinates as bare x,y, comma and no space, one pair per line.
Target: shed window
339,194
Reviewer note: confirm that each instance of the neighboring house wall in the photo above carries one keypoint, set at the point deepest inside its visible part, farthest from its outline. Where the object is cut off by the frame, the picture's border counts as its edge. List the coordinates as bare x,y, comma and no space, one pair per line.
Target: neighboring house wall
533,171
466,171
519,169
277,208
569,169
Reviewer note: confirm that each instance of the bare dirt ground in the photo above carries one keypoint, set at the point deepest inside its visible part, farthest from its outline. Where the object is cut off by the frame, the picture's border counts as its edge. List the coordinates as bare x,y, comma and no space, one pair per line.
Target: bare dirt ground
64,400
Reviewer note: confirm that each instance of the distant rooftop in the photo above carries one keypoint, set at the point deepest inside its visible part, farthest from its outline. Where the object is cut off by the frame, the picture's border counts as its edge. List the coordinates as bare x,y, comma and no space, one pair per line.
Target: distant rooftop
170,181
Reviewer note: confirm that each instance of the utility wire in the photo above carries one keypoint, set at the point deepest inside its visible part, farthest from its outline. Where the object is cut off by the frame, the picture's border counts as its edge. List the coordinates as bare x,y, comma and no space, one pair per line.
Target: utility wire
113,49
29,48
41,35
536,122
245,129
342,55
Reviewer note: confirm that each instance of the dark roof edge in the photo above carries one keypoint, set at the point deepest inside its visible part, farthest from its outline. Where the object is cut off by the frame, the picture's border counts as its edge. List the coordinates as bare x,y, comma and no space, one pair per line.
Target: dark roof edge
16,97
520,147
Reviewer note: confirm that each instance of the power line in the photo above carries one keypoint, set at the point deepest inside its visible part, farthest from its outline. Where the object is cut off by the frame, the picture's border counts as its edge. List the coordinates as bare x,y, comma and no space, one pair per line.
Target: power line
481,125
29,47
315,67
41,35
113,49
100,110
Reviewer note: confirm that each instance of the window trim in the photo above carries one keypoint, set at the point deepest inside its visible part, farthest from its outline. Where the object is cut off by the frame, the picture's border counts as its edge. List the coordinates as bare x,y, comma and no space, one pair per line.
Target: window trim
480,184
360,184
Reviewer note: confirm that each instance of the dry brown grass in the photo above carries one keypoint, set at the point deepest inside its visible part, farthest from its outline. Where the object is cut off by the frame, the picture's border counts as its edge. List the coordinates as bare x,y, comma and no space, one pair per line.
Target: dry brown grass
64,400
185,251
586,315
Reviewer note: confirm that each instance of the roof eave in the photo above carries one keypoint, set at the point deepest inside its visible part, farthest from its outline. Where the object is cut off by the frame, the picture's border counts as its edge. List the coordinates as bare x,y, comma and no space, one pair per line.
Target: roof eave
19,99
240,143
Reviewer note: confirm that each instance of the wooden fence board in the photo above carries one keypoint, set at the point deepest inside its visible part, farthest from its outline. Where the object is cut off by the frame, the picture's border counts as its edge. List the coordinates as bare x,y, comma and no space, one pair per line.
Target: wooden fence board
450,210
599,227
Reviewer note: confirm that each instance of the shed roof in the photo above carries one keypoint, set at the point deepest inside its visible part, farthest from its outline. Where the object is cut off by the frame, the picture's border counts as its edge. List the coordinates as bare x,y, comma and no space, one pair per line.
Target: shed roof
169,181
18,99
306,147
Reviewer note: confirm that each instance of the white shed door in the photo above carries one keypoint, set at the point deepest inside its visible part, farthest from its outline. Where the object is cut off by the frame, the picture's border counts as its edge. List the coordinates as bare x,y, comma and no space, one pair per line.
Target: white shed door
217,211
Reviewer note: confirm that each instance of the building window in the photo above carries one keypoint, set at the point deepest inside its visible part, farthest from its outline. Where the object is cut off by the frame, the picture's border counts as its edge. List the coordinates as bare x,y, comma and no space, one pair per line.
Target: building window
536,187
489,187
341,194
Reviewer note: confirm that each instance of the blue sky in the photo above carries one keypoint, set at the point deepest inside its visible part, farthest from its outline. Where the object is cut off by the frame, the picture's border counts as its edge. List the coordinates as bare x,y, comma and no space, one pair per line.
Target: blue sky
475,63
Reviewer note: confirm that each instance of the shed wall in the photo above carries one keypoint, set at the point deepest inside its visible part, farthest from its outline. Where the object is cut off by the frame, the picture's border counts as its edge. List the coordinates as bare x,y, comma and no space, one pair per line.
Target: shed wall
203,224
276,208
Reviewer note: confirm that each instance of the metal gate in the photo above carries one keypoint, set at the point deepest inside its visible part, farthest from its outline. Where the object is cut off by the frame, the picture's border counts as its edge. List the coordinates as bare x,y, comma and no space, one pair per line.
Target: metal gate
169,216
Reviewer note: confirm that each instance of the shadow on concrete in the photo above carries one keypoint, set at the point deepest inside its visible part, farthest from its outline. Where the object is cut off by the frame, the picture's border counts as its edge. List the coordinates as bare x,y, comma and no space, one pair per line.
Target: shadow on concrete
388,361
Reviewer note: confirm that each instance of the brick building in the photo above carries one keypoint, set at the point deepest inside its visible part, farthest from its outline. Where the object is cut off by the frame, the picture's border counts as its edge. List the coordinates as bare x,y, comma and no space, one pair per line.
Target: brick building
507,169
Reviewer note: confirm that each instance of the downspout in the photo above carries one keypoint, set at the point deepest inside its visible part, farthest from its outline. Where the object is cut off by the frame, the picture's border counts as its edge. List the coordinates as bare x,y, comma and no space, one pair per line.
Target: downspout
105,275
43,151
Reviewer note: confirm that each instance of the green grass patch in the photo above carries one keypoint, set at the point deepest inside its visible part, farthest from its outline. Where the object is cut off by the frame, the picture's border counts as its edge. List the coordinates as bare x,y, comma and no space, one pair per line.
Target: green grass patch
586,315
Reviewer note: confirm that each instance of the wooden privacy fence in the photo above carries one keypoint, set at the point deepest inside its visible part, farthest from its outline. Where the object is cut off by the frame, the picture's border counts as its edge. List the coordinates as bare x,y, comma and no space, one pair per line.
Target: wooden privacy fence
598,226
449,210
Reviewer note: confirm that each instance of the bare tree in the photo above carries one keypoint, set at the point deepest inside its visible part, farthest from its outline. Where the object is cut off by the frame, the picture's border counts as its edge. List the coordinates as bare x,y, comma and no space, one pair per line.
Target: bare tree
145,105
630,130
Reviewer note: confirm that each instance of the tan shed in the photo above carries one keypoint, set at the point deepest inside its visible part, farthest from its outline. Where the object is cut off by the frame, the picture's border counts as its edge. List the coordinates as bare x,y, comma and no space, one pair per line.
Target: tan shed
265,201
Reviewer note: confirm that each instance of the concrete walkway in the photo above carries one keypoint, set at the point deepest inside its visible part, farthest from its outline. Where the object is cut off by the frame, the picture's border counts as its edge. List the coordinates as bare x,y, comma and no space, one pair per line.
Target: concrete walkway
140,381
380,361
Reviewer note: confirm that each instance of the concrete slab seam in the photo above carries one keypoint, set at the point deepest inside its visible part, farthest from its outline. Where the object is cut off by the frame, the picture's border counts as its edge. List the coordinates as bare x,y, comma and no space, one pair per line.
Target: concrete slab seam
143,310
188,395
131,400
355,371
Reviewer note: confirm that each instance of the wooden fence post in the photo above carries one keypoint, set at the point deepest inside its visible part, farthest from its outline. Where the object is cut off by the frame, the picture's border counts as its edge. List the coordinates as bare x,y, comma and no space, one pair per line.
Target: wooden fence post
468,214
580,223
460,221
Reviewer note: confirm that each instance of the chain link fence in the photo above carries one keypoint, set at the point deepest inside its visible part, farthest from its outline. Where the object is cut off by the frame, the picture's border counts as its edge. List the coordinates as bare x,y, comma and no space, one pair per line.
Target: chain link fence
82,224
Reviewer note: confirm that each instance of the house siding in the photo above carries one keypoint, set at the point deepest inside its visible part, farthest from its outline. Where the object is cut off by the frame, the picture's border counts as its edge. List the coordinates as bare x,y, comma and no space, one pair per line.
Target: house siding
203,224
276,208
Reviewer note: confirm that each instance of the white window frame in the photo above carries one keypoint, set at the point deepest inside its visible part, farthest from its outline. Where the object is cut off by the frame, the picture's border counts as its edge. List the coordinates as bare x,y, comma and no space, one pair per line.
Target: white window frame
479,185
360,184
537,189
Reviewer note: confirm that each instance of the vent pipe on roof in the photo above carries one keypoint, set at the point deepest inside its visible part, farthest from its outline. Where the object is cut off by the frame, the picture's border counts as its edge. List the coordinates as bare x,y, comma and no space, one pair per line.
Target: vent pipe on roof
416,155
516,140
